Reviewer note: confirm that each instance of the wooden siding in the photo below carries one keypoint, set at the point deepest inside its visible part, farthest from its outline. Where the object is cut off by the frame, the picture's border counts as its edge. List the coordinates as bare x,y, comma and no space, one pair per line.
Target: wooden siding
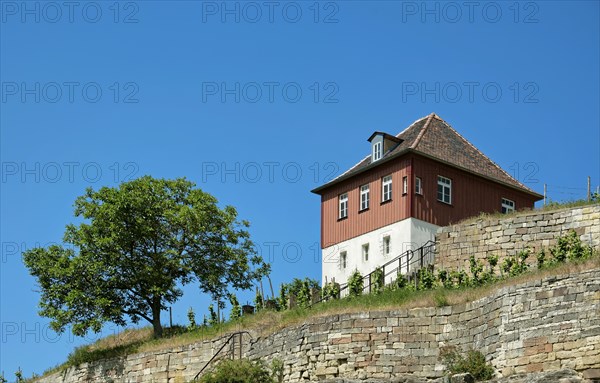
378,215
471,195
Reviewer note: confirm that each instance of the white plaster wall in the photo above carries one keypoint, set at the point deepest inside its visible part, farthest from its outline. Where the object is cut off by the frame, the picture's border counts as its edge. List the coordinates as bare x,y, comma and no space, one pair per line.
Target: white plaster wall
407,234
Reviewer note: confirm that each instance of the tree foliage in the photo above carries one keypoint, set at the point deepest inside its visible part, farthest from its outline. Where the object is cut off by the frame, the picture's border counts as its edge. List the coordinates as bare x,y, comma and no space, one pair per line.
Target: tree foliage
136,246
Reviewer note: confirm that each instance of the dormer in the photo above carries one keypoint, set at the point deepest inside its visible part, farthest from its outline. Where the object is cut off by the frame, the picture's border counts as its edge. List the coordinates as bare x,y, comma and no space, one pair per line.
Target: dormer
381,143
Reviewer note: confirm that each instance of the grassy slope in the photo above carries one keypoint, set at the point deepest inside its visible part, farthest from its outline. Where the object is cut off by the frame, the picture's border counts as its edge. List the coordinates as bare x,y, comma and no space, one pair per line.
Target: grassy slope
266,322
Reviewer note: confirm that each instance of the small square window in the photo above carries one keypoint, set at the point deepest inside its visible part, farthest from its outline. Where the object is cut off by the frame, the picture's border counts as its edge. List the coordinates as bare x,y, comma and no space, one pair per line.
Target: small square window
343,260
386,188
343,206
364,197
387,245
507,206
418,185
365,252
376,151
444,193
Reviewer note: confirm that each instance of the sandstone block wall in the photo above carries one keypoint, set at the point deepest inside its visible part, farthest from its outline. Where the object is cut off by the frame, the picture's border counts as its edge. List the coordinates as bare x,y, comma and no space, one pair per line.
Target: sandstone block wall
537,326
502,237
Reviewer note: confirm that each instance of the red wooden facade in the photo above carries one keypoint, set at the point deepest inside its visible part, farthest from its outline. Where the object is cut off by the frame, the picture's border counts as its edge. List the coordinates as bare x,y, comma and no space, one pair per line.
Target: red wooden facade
471,194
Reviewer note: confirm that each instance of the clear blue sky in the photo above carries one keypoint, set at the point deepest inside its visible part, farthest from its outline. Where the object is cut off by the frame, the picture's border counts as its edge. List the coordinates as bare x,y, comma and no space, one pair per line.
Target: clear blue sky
259,104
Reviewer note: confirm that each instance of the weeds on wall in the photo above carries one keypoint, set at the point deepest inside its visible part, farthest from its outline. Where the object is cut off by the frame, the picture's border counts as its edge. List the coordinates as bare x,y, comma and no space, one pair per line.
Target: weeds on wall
471,361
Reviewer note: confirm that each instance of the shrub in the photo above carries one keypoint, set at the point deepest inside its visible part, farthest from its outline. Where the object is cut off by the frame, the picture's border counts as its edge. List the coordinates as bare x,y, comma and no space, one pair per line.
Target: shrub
236,310
476,268
445,279
213,319
355,284
473,362
191,319
459,278
426,278
331,290
258,301
19,375
238,371
401,281
277,370
301,288
377,280
569,247
541,259
516,264
283,297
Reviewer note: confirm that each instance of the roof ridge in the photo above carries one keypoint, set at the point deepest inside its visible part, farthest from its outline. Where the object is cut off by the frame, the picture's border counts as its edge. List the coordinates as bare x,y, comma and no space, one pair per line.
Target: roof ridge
411,125
484,156
422,132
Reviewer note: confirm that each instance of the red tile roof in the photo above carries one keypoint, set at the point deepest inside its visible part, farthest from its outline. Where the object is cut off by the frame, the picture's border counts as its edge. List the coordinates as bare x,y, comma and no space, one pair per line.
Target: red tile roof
433,137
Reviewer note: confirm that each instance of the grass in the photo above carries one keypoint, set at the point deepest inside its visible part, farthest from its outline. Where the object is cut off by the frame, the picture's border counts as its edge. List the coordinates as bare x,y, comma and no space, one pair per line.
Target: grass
267,322
549,207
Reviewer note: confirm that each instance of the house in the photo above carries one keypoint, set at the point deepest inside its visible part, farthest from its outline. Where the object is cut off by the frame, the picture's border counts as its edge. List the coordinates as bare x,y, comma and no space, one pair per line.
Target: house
398,196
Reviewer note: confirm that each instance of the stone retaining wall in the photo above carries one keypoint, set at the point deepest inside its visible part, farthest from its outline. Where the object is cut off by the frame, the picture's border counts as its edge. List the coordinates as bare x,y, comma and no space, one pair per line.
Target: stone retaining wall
537,326
502,237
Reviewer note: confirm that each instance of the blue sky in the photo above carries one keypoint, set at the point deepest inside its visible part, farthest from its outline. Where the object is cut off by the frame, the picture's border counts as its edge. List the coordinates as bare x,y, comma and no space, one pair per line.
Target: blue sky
259,103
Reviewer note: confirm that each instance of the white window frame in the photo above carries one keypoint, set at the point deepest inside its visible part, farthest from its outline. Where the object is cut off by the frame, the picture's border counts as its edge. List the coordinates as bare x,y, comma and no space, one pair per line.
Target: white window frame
377,149
364,197
404,185
387,245
386,188
343,205
508,205
365,252
343,259
418,185
446,185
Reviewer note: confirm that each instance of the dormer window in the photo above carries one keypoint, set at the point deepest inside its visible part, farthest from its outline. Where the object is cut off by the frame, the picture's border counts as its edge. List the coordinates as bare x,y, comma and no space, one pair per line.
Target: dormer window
377,151
381,144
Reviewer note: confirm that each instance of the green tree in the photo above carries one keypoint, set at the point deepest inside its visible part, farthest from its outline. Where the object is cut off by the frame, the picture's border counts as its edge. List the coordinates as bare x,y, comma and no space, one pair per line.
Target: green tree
136,246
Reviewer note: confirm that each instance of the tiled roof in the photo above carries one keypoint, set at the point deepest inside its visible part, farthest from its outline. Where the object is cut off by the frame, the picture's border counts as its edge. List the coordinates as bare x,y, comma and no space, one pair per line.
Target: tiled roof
435,138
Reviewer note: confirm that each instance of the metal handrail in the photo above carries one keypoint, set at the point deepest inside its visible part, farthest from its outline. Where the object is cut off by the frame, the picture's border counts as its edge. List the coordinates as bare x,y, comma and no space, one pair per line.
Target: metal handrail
221,349
408,254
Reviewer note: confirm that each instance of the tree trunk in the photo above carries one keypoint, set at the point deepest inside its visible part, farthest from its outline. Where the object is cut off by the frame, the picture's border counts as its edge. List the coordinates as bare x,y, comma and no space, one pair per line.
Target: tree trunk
158,330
